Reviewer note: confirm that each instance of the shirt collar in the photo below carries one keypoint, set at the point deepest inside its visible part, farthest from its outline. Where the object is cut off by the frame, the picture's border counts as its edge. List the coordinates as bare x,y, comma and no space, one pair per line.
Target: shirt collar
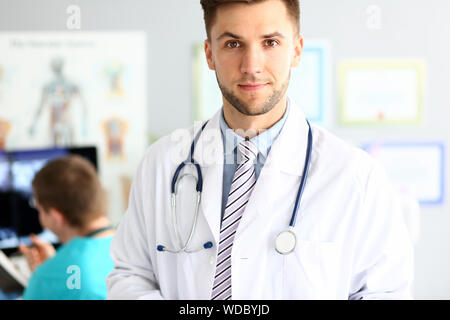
262,141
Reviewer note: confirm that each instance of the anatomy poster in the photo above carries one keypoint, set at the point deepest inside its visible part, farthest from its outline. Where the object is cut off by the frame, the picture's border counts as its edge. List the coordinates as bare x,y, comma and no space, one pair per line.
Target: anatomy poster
4,131
76,89
115,129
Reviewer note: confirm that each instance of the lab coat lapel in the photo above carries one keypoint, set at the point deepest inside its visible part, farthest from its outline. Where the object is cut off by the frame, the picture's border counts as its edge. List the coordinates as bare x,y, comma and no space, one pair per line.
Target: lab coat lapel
209,154
286,160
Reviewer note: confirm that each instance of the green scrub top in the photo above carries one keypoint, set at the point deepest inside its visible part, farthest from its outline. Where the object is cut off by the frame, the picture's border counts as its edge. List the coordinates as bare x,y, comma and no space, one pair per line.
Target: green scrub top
77,272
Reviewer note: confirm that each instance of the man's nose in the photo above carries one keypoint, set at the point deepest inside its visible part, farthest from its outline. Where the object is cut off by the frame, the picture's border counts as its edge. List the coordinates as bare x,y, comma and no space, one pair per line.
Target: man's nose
252,60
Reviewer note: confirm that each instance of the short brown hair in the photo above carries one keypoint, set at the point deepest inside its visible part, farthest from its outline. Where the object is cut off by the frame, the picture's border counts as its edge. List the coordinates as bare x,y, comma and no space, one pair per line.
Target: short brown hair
210,7
70,185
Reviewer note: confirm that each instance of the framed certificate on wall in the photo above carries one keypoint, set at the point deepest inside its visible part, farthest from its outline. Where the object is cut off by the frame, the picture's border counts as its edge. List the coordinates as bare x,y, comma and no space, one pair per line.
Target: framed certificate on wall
416,168
206,95
309,84
381,91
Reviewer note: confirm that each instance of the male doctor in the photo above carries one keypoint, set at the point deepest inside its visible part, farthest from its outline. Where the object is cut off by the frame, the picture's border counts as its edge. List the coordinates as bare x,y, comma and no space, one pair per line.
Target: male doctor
350,238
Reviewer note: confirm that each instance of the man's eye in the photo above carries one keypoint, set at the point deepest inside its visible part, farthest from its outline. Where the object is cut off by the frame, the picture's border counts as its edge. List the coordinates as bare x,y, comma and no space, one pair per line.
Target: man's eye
233,44
271,43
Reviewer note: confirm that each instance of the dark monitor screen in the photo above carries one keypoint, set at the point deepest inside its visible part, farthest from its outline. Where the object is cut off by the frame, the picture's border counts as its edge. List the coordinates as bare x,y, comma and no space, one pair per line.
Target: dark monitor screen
4,171
18,218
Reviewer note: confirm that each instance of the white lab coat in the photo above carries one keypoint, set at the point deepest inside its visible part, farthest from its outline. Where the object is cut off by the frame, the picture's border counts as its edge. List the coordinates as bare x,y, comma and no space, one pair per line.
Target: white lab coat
352,240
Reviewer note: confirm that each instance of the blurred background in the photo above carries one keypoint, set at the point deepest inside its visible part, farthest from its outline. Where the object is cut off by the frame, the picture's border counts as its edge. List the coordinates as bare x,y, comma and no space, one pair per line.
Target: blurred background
106,78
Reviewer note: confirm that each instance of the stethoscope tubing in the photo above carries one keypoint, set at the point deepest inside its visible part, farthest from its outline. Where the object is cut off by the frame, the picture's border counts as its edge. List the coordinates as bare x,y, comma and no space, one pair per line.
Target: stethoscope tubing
199,187
304,176
190,159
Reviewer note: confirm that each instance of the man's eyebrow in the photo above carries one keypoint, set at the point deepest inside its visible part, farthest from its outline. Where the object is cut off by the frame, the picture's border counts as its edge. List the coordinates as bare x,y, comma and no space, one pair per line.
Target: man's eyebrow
234,36
273,35
227,34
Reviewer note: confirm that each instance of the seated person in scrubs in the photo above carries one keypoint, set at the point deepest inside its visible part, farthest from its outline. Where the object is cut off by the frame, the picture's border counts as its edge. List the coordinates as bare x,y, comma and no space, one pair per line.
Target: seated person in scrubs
71,203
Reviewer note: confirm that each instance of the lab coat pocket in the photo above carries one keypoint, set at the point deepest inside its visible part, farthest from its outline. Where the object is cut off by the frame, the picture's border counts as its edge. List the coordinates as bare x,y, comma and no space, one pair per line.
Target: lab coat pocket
311,271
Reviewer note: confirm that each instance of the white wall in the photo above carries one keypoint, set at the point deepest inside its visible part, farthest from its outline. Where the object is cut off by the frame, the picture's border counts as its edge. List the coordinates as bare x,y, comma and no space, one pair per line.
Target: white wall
409,29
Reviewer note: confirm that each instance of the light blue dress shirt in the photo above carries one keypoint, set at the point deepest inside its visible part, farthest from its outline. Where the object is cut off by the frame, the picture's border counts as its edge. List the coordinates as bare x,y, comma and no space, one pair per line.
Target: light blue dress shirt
232,157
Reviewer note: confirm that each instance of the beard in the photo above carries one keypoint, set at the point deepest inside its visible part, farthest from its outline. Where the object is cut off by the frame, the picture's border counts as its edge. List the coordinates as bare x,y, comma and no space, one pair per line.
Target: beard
265,107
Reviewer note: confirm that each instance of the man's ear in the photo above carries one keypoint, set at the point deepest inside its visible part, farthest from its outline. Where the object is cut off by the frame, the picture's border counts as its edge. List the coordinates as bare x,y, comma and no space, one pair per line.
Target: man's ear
57,217
208,54
298,49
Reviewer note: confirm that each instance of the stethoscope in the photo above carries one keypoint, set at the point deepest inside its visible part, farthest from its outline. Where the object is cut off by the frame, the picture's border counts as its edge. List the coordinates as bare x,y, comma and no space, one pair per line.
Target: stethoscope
285,241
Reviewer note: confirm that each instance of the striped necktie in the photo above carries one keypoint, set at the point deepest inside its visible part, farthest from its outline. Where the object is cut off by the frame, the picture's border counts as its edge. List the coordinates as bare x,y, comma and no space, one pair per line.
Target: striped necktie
244,181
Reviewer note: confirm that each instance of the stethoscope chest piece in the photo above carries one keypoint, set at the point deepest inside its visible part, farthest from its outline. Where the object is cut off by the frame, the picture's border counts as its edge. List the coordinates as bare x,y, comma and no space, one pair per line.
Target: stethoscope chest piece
285,242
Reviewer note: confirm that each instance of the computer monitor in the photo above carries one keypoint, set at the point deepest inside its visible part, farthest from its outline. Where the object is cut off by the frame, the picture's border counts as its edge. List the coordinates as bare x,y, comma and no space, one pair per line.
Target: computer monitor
4,171
18,217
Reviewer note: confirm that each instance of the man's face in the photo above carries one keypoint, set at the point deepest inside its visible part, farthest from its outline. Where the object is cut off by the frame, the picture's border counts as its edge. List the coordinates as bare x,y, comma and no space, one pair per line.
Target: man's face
252,48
